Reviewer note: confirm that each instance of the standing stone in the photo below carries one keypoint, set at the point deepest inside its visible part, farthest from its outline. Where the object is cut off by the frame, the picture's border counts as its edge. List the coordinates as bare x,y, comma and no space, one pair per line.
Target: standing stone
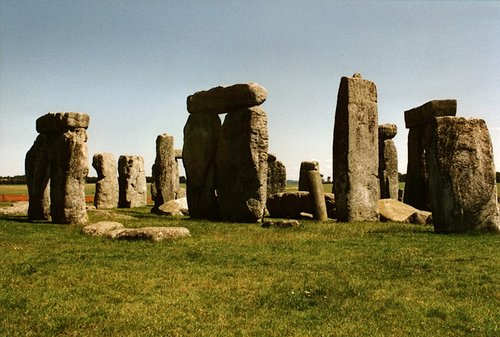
225,99
132,182
165,171
388,162
355,150
37,167
463,192
201,135
106,187
419,120
59,155
68,175
305,167
318,203
241,170
276,176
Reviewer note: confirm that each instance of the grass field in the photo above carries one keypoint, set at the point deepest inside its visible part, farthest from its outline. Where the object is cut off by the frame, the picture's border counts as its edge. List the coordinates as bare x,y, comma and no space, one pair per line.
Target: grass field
323,279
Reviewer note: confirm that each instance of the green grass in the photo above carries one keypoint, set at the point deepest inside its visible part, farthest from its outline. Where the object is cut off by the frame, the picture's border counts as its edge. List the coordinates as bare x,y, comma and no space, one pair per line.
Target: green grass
323,279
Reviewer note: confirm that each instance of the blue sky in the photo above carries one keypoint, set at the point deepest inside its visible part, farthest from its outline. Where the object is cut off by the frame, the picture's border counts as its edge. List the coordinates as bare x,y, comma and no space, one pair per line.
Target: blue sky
131,64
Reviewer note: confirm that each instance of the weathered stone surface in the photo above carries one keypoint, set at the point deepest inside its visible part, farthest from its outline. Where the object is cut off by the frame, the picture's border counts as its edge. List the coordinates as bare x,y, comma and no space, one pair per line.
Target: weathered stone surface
426,113
106,187
355,151
276,175
241,169
101,228
17,208
165,171
419,120
201,136
292,204
393,210
178,154
388,169
421,218
289,223
57,122
37,169
132,182
305,167
68,173
387,131
225,99
416,192
317,194
463,192
154,234
177,207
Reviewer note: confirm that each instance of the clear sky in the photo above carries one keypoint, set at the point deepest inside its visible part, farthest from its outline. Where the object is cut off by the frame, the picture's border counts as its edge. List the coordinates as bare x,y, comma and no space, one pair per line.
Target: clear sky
131,64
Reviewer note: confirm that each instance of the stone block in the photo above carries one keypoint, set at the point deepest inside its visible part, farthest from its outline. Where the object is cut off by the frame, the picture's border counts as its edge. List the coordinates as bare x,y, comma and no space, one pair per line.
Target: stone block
56,122
225,99
426,113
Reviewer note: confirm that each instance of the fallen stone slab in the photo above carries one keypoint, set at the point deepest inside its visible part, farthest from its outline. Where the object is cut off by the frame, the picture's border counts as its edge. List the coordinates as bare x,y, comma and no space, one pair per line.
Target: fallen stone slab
396,211
154,234
289,223
222,99
101,228
17,208
177,207
292,204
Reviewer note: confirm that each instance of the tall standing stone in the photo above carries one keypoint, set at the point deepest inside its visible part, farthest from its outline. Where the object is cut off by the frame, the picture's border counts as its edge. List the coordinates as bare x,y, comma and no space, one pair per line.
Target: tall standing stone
201,135
132,182
463,191
276,175
241,169
305,167
318,204
355,150
388,162
37,167
165,171
59,155
68,175
419,120
106,187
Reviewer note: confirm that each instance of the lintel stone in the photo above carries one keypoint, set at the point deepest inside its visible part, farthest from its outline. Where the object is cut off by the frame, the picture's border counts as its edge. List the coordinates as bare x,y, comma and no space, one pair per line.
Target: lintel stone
54,122
426,113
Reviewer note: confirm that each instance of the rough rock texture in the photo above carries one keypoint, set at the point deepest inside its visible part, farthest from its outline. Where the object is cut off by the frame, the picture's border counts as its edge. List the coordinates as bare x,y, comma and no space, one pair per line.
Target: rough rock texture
463,192
388,161
201,136
101,228
426,113
132,182
37,168
241,169
106,187
317,194
289,223
165,171
387,131
419,121
68,173
393,210
355,151
225,99
58,122
292,204
177,207
154,234
17,208
305,167
276,175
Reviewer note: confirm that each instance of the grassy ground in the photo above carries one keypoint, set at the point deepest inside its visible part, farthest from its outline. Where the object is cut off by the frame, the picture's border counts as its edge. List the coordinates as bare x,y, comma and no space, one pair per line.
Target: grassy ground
323,279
